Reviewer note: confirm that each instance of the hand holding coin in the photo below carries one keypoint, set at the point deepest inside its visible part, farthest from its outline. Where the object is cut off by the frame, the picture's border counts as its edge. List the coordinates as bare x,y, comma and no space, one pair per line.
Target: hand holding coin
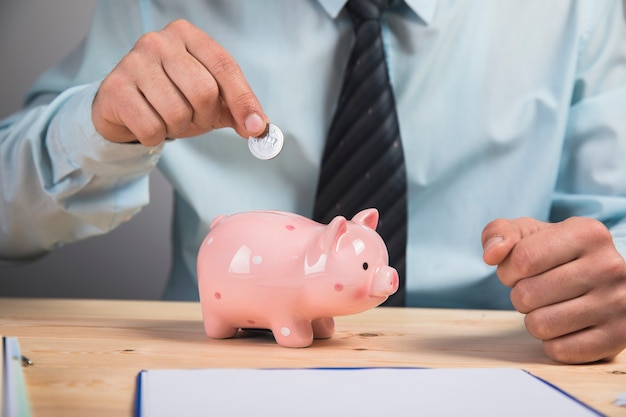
175,83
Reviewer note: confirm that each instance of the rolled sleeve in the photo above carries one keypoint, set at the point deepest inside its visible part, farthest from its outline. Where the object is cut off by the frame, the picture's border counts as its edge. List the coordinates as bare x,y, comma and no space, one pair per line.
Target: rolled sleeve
61,181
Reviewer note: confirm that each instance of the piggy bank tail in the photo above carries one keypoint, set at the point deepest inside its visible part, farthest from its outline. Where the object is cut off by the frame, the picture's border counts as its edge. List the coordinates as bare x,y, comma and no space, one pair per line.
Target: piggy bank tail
217,220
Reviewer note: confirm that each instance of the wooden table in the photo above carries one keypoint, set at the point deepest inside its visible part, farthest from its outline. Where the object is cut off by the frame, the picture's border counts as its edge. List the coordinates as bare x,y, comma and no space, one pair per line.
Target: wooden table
86,353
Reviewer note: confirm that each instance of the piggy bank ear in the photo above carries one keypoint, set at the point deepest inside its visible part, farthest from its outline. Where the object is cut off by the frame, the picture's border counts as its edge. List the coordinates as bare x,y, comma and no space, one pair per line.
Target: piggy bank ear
217,220
367,217
329,240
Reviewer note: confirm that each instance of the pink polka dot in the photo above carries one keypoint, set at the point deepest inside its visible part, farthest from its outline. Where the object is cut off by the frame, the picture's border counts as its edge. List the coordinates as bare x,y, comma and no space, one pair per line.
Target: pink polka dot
217,295
338,287
291,227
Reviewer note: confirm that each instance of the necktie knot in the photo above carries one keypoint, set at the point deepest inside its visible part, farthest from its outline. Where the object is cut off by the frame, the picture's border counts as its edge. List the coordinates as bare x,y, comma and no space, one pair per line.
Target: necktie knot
361,10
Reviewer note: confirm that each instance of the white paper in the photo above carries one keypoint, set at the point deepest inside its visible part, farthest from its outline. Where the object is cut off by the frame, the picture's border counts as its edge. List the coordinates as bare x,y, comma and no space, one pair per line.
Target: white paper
364,392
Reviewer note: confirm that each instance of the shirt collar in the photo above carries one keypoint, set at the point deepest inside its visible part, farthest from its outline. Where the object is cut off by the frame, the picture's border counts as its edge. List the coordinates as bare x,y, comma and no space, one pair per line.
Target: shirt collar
423,8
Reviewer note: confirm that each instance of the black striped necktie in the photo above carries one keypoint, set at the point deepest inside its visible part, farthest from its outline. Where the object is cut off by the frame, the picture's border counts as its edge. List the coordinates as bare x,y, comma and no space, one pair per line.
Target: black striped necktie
363,161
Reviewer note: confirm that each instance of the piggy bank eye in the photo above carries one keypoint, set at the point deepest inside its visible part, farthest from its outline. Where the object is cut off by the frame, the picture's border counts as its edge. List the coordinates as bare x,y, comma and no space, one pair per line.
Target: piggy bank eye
365,266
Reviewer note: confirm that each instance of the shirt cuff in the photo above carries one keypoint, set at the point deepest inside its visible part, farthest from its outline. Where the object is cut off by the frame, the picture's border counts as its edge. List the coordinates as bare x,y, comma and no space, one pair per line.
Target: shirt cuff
74,144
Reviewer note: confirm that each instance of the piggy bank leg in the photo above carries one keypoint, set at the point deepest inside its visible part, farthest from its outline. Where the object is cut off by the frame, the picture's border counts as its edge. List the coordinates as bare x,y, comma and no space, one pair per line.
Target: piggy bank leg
217,329
323,328
293,333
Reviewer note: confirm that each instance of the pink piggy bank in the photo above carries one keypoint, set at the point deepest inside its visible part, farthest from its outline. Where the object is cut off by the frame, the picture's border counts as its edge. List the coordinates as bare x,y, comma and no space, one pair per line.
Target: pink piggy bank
284,272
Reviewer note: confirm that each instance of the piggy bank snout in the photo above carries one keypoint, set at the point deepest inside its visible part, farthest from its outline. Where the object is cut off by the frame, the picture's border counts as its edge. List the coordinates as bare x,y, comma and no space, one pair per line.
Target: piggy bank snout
385,282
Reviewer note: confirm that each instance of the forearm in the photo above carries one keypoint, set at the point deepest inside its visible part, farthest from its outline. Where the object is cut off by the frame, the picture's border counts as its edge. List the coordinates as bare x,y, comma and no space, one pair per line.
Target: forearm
60,181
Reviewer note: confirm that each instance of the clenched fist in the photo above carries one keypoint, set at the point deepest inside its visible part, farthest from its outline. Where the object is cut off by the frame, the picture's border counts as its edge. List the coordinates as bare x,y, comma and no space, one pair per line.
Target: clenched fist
569,280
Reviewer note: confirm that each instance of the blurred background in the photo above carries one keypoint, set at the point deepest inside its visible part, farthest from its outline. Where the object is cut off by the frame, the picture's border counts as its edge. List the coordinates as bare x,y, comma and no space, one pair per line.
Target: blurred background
133,261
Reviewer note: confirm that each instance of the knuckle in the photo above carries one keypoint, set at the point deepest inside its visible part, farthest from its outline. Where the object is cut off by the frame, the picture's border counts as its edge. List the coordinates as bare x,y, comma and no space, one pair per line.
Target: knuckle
598,231
522,299
151,133
617,300
594,229
621,297
575,351
224,66
497,223
208,86
114,84
616,267
150,41
561,351
540,326
207,96
492,227
178,118
502,271
522,259
244,99
178,26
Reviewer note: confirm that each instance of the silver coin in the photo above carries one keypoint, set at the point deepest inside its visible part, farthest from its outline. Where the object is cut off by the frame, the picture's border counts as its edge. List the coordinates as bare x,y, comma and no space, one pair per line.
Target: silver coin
269,145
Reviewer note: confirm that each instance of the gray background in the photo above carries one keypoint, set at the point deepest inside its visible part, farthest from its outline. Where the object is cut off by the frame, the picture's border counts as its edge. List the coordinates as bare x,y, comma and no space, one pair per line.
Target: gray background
132,261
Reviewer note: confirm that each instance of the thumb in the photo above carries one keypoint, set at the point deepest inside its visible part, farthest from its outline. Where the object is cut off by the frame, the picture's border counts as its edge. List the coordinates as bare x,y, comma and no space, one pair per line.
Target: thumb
501,235
254,124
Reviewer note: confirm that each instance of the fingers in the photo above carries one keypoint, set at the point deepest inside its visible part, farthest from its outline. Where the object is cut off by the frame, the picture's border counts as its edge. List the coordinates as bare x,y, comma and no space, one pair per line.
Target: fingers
560,284
569,280
579,316
235,91
175,83
500,236
578,331
186,93
595,268
527,247
557,320
521,248
591,345
120,113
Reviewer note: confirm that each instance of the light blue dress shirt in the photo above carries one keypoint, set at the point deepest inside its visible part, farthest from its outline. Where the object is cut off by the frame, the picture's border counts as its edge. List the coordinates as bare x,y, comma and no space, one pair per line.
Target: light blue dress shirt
506,108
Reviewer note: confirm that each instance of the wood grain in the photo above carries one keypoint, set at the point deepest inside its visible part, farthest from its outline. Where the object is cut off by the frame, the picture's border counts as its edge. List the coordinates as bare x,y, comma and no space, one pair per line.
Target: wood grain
87,353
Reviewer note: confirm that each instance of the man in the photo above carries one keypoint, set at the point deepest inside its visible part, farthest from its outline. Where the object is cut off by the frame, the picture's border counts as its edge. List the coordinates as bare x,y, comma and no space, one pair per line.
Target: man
507,110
